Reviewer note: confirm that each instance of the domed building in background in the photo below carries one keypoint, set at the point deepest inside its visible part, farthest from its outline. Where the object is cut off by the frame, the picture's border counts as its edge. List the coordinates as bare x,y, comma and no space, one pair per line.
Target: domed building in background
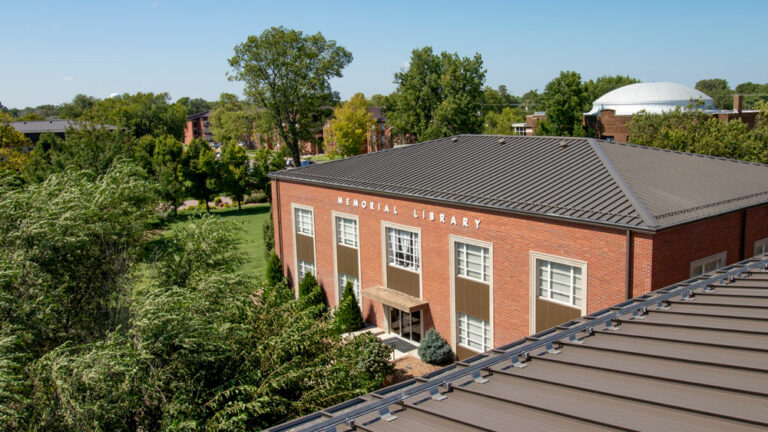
611,113
654,98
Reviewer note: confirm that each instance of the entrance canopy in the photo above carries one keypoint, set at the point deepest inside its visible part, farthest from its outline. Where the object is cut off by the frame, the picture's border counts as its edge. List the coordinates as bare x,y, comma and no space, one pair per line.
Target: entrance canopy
393,298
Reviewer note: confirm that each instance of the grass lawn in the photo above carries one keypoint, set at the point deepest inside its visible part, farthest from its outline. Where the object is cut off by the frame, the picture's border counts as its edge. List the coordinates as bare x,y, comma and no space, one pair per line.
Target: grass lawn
251,220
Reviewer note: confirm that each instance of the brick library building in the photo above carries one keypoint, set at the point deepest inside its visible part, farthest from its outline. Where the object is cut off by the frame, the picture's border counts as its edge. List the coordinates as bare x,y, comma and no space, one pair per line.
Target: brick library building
492,238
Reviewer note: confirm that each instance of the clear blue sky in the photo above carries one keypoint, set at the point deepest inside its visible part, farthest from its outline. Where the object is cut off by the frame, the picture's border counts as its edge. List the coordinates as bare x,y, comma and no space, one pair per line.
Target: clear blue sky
52,50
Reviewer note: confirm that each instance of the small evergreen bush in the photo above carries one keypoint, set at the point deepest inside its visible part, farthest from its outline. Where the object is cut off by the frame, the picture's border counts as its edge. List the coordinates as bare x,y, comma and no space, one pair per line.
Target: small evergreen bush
434,349
311,293
348,317
274,273
268,230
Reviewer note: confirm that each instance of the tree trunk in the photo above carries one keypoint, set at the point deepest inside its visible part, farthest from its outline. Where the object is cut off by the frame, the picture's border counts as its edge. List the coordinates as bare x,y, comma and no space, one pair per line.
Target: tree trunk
207,209
238,206
295,152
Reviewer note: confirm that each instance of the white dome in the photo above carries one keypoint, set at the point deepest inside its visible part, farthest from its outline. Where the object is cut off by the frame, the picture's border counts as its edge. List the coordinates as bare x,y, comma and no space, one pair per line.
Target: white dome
654,98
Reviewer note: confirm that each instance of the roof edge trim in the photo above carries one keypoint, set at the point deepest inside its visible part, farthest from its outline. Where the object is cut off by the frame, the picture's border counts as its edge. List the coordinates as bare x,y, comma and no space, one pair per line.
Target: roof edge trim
623,185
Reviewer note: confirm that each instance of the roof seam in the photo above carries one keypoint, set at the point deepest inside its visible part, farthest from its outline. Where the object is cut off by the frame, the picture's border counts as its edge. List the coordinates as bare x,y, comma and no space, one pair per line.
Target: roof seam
645,215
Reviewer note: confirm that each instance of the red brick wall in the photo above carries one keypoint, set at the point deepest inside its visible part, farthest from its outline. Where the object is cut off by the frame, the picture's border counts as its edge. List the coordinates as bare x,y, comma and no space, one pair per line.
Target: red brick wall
675,248
513,237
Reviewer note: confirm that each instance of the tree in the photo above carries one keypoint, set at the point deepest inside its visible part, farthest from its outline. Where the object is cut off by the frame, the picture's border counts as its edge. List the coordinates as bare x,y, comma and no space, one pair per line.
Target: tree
167,166
501,123
274,273
350,126
13,155
719,90
378,100
234,121
348,317
287,73
198,169
437,96
234,172
142,113
495,100
268,233
565,99
753,94
265,162
311,294
693,131
604,84
433,349
78,107
195,105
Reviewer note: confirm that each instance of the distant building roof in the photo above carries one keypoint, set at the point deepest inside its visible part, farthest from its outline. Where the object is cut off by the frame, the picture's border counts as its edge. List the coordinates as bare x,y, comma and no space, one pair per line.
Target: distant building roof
378,114
54,126
199,115
692,356
654,98
580,179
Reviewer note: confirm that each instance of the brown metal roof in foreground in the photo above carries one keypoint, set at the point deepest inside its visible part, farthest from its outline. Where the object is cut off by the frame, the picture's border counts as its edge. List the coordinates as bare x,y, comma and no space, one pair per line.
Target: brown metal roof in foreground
692,356
579,179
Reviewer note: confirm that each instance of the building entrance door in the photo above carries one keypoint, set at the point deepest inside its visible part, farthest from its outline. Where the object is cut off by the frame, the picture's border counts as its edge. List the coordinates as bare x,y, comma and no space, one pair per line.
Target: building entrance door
407,325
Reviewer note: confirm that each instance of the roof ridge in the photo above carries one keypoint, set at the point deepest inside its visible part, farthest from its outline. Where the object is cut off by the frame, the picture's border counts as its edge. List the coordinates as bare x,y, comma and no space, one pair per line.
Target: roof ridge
659,149
637,204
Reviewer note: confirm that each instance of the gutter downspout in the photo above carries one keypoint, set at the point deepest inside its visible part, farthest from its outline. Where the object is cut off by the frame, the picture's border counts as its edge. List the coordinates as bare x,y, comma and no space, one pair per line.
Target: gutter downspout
628,267
743,237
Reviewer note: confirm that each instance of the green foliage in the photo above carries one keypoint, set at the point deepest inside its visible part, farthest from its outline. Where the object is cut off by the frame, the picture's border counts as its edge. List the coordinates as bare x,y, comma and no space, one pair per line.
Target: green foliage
234,172
266,161
195,105
433,349
198,169
350,126
274,273
719,90
287,73
348,317
496,100
311,294
438,96
166,164
501,123
693,131
142,113
13,145
234,121
753,93
268,231
78,107
565,99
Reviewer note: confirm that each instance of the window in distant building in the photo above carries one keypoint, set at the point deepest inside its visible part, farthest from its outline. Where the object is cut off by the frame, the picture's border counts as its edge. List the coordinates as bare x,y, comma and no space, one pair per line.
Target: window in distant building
708,264
761,246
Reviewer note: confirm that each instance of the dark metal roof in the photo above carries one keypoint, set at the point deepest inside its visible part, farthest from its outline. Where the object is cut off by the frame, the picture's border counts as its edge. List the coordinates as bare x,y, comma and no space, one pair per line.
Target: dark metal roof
54,126
198,115
570,178
692,356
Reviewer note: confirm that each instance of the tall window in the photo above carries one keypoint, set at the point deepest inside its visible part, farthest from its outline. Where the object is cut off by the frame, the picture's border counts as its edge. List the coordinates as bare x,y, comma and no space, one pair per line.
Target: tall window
708,264
761,246
403,249
559,282
304,222
346,232
304,268
472,262
343,279
473,333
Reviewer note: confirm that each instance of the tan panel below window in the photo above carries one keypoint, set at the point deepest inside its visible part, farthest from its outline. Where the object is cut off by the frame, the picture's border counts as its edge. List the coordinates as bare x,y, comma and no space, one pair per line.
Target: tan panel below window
473,298
550,314
346,260
464,353
305,248
405,281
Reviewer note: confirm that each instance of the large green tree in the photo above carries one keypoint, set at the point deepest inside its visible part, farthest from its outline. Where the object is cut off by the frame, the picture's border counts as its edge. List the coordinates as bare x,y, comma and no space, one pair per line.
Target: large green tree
78,107
235,172
167,166
495,100
501,123
13,154
719,90
350,126
142,113
565,99
199,170
288,74
437,96
195,105
604,84
234,120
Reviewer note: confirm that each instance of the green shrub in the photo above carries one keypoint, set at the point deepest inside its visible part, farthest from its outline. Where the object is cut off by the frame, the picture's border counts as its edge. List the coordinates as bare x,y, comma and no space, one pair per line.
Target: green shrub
311,293
256,197
348,317
274,273
434,349
217,201
268,230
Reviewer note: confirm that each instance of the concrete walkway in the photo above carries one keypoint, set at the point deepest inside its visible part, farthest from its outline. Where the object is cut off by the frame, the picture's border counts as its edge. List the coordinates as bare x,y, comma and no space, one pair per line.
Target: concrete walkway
403,348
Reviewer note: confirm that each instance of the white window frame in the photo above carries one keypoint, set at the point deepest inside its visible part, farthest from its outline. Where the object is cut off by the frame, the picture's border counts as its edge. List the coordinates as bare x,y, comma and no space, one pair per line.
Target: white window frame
761,246
411,260
343,226
720,259
302,268
462,326
534,288
452,240
572,298
296,280
385,259
300,221
339,288
462,256
343,277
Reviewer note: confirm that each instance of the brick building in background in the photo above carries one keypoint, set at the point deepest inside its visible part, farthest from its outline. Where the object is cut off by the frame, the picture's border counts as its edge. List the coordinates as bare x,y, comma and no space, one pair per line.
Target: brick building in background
611,113
379,137
198,126
490,238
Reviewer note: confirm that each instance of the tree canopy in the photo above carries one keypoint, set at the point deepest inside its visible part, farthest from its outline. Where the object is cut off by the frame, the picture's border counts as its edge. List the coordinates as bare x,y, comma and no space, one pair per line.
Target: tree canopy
719,90
437,96
350,126
565,99
234,120
142,113
604,84
501,123
288,74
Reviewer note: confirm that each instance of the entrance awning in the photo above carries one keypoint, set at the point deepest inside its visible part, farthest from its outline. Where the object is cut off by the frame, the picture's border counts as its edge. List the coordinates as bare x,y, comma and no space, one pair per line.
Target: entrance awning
393,298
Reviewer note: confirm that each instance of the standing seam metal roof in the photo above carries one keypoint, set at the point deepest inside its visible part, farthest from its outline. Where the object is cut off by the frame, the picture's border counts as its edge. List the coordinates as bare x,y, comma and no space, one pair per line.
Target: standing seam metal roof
692,356
571,178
